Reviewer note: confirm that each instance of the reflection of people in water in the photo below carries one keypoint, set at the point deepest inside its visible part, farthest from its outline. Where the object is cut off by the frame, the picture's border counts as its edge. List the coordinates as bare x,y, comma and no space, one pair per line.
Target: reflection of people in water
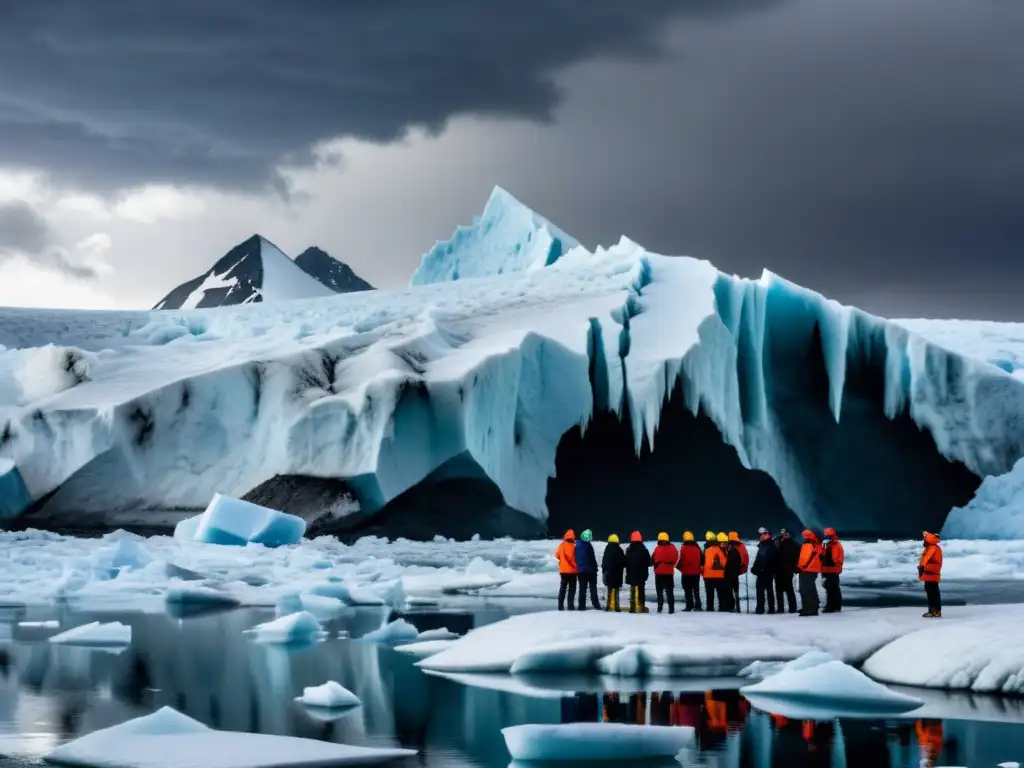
661,708
580,708
929,740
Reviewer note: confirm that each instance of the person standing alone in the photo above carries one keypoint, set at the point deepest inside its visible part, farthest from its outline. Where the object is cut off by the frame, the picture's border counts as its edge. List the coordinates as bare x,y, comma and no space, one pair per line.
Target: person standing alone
689,566
765,563
566,557
664,559
832,558
809,566
789,554
586,568
929,570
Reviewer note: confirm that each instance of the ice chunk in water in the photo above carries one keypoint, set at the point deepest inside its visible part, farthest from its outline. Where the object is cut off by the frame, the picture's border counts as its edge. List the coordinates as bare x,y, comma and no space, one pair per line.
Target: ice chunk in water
398,631
832,683
768,668
196,595
585,742
330,695
95,634
168,739
235,522
295,628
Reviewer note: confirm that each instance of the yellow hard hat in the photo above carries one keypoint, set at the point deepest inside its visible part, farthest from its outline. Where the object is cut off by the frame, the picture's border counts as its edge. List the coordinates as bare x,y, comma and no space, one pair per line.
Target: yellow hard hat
688,536
613,539
709,536
662,536
722,538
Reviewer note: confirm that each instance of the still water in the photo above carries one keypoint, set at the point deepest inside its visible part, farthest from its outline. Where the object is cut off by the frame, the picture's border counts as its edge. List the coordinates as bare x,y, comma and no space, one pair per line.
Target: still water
205,667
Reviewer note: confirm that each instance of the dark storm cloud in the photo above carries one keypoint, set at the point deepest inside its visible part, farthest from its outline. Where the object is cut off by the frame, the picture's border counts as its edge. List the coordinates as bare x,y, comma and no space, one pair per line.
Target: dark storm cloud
24,232
118,92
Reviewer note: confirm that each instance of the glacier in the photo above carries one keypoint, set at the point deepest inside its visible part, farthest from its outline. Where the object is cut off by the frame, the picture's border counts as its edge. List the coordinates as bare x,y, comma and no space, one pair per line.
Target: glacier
547,384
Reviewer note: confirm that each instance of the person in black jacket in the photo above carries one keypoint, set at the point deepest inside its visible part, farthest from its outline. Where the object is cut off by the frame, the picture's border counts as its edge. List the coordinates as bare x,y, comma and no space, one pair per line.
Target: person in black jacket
765,564
638,564
613,562
789,554
733,566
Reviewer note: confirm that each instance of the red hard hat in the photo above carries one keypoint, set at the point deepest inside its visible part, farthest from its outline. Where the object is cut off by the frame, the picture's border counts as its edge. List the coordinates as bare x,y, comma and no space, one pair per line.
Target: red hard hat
830,532
635,536
809,534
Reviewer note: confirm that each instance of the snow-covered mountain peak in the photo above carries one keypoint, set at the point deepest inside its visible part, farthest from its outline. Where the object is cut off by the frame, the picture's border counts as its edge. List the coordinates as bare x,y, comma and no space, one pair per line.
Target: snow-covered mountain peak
255,270
336,275
507,237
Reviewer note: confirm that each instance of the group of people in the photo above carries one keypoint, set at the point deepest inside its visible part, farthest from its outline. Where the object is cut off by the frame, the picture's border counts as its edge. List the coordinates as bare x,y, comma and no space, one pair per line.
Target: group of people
721,563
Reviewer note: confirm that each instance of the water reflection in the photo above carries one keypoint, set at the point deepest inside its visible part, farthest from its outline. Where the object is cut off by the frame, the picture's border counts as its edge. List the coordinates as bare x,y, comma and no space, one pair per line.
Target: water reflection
206,668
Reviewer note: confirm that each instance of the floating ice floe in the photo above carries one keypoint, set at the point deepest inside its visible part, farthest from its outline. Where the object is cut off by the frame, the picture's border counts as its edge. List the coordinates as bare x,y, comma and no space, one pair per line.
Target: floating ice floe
235,522
96,634
818,680
294,628
51,624
194,594
330,695
320,607
588,742
169,739
425,648
984,655
973,648
396,632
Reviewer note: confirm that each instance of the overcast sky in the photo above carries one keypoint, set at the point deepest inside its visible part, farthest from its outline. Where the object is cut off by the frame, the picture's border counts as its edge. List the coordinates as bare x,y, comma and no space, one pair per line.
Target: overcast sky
870,149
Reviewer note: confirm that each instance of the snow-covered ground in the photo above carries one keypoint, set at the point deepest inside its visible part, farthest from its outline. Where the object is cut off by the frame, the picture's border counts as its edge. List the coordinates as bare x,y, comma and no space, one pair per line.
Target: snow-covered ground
40,567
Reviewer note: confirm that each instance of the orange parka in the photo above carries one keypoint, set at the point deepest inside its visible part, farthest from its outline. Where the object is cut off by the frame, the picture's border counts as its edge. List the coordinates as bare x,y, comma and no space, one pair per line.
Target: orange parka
566,553
930,566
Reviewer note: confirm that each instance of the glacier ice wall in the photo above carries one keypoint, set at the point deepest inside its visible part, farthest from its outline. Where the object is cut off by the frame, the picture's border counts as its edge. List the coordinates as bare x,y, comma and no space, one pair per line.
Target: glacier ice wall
105,412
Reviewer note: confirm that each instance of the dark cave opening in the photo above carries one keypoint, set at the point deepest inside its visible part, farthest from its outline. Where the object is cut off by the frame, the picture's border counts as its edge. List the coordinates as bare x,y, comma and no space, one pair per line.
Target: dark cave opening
870,474
692,480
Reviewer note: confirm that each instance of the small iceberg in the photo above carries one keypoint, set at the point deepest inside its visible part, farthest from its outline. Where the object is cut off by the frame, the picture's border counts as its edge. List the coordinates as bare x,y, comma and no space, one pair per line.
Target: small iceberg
590,742
319,606
397,632
424,649
96,634
234,522
295,628
813,680
169,739
330,695
189,594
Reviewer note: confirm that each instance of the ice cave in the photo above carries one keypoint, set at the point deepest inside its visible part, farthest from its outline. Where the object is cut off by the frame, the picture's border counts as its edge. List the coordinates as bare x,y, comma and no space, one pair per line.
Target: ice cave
522,384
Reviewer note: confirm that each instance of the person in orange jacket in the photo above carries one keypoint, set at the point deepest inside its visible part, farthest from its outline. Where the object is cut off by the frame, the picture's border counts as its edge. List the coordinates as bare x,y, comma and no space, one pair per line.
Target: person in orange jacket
689,566
929,570
566,557
734,583
809,566
832,557
664,559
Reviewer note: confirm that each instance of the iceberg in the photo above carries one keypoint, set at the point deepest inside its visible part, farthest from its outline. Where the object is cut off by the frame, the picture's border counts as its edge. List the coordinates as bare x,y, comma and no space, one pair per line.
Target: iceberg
995,512
829,683
191,594
330,695
594,742
169,739
95,634
397,632
516,362
298,627
235,522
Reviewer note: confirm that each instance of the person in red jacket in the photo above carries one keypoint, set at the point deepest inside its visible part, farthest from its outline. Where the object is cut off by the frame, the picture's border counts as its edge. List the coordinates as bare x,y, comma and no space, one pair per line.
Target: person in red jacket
734,584
689,566
664,559
566,557
832,558
929,570
809,566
